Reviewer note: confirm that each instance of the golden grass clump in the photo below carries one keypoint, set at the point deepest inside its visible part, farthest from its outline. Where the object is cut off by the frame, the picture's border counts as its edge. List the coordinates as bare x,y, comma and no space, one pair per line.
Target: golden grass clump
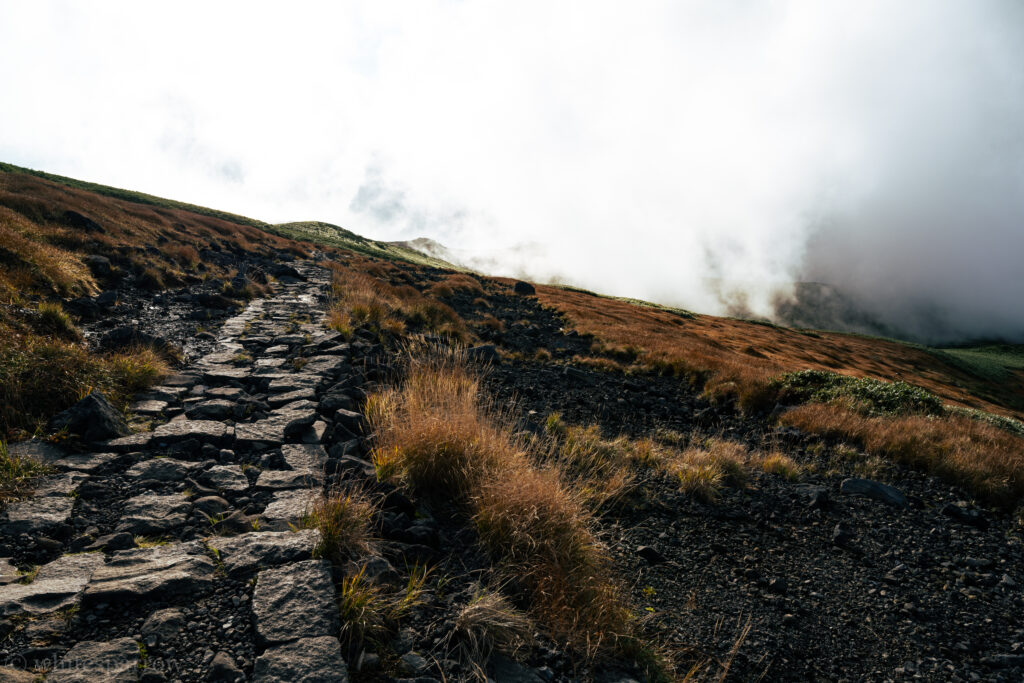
982,458
16,474
489,623
360,298
343,519
436,432
779,464
40,377
55,321
441,437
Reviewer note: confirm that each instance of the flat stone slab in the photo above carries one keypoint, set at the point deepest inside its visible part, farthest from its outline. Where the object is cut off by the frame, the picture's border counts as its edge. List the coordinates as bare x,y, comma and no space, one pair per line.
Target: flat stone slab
57,585
229,478
151,574
162,469
226,393
86,462
40,451
282,424
36,515
278,400
59,484
250,552
149,407
206,431
212,409
162,394
311,457
281,480
154,514
288,508
293,383
225,375
127,444
295,601
8,572
90,661
309,660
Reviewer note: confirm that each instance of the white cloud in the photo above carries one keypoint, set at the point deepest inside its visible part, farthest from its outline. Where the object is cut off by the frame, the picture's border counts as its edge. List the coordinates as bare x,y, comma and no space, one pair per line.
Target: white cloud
646,147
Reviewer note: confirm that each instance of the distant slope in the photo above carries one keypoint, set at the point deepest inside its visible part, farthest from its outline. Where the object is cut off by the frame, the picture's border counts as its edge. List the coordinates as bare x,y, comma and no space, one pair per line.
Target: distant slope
132,196
336,236
311,231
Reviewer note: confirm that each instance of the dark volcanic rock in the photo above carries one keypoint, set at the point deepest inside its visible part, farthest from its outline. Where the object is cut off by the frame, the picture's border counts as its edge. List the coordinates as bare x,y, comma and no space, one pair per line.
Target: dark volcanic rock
92,418
524,288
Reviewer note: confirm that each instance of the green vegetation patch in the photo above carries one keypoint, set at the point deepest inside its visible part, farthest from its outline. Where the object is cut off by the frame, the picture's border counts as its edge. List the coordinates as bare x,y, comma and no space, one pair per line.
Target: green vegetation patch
870,396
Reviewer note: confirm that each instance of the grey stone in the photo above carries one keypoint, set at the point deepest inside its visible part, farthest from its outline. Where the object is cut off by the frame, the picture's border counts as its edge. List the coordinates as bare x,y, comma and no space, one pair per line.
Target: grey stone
149,407
154,514
307,394
288,508
206,431
112,542
151,573
217,409
92,418
874,490
279,425
309,660
224,670
39,451
127,444
88,661
59,485
8,572
9,675
228,478
161,469
226,393
293,383
162,626
349,419
211,505
413,664
37,515
374,569
57,585
249,552
86,462
295,601
278,480
224,375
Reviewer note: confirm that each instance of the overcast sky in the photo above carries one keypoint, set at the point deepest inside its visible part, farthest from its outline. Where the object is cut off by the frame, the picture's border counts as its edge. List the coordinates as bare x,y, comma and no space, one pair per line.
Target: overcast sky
634,148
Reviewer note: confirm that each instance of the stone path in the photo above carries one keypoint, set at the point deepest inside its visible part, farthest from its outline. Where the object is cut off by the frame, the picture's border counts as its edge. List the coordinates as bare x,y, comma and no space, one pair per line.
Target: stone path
176,553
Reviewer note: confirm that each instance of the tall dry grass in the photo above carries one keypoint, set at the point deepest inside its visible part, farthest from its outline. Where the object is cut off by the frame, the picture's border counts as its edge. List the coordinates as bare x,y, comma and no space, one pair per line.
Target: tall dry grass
984,459
361,298
443,439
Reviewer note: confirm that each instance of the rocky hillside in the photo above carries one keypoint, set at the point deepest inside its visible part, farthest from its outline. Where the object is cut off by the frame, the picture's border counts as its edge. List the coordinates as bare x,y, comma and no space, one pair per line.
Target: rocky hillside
354,469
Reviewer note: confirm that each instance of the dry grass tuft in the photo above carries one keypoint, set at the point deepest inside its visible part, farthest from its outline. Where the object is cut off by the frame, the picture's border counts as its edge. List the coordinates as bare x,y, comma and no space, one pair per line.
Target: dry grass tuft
343,519
16,474
489,623
438,435
780,464
53,320
984,459
40,377
362,299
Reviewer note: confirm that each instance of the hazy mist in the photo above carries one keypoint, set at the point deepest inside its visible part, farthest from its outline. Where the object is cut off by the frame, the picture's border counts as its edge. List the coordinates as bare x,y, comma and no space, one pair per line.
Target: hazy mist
702,154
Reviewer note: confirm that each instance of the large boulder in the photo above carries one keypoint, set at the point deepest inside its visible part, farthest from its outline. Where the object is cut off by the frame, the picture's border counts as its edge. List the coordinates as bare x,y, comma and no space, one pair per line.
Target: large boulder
92,418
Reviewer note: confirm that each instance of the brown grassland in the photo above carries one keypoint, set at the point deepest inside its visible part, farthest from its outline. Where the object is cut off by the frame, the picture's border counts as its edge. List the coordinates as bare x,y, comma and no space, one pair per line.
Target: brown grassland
44,367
